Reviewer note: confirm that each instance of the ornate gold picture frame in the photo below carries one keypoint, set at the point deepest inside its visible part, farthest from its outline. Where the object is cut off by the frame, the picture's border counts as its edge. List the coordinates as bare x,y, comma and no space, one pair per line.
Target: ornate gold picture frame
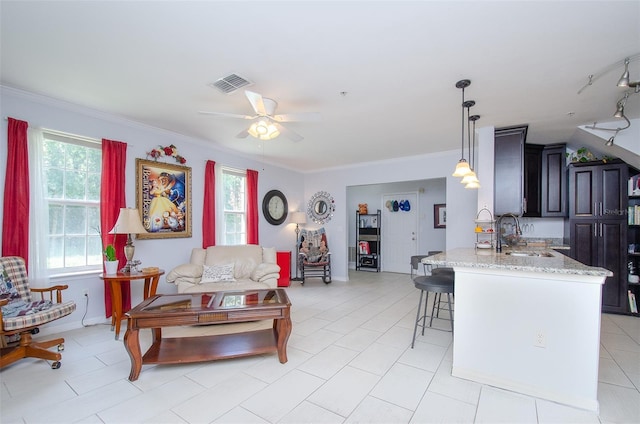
163,197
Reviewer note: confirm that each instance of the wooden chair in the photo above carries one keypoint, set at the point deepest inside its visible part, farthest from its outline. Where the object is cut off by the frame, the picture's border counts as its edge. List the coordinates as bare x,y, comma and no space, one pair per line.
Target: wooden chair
21,314
314,257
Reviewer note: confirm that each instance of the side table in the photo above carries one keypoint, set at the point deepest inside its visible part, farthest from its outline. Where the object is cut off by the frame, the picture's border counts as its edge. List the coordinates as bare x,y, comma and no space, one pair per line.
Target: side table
284,261
150,278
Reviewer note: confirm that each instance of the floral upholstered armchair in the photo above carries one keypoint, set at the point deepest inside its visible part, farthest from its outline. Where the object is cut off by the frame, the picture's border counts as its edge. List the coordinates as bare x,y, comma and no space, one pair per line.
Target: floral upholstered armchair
314,257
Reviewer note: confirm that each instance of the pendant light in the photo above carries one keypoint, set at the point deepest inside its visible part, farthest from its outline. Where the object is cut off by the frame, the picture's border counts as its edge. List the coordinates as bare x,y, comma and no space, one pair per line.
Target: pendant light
474,183
471,176
462,168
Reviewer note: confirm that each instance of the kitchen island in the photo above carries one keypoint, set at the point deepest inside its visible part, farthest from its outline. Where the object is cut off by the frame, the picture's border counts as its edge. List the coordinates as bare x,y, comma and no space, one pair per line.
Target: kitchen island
527,321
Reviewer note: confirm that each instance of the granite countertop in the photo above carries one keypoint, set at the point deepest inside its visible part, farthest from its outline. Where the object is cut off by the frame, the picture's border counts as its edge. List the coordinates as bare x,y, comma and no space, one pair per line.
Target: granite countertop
490,259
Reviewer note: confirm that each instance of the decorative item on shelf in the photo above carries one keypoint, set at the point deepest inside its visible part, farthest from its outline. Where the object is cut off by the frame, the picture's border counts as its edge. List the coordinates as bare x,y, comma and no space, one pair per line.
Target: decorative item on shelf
363,208
128,223
321,207
583,155
167,151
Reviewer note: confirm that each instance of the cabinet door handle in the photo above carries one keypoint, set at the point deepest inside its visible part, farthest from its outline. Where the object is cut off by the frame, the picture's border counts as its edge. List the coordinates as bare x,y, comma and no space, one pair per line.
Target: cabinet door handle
600,208
601,229
595,230
524,204
595,208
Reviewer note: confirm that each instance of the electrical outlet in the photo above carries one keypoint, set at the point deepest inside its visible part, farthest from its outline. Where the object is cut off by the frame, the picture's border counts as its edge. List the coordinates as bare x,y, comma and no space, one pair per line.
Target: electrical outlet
85,293
540,340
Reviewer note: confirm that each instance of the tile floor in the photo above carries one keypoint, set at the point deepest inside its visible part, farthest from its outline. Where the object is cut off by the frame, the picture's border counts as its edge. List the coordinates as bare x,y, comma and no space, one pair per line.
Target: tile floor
349,361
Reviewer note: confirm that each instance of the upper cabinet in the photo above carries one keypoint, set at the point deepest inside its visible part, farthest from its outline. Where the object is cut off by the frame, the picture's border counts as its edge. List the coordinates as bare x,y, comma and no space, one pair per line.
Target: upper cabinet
554,181
509,170
598,191
530,179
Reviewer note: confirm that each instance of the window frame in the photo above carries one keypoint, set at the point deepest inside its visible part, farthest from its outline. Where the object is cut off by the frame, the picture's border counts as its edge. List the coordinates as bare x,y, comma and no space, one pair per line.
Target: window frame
221,221
89,234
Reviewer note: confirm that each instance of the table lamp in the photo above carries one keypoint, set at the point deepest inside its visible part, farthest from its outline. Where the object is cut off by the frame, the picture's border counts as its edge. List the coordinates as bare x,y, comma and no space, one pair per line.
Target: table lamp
128,223
298,218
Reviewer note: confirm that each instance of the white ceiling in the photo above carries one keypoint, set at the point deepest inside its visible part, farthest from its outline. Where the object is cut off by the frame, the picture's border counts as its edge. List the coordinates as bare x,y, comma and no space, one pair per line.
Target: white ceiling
152,62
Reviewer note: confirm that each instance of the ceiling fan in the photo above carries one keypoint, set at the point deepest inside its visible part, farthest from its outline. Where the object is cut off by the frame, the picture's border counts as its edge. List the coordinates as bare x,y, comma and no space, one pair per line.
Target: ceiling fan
266,125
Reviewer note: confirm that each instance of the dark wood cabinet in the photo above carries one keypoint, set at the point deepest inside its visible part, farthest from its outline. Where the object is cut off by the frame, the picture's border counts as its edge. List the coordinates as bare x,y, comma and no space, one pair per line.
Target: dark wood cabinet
598,225
509,169
554,181
600,243
530,179
598,191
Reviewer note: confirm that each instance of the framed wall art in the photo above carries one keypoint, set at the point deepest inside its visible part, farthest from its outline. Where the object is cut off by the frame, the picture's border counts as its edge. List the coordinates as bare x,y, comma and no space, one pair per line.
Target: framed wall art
163,197
440,215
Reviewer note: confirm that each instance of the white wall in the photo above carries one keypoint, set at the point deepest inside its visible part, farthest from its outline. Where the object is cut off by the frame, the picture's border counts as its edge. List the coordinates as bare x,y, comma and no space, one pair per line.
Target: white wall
429,192
53,114
461,203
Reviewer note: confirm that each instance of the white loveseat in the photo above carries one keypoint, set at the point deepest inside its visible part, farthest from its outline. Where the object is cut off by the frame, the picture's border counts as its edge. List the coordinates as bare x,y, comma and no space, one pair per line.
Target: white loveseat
252,267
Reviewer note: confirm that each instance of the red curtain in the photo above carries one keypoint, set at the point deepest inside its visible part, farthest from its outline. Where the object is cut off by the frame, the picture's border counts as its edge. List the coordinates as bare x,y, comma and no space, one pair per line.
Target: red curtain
15,226
112,198
252,207
209,207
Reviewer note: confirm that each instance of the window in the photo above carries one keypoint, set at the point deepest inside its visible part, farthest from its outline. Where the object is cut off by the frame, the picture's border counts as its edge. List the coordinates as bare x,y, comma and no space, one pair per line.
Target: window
71,168
234,185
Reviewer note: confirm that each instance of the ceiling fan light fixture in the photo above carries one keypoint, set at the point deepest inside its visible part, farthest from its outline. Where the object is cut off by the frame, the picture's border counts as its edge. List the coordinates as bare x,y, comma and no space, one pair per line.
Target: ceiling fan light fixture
263,130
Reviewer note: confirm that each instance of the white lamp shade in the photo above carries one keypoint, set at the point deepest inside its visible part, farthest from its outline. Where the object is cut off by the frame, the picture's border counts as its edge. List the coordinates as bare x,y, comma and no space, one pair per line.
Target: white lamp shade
462,169
470,178
298,217
129,222
473,185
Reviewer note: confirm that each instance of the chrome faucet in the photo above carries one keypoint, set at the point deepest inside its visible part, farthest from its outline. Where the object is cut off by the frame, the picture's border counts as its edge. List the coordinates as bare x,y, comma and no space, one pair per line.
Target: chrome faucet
518,231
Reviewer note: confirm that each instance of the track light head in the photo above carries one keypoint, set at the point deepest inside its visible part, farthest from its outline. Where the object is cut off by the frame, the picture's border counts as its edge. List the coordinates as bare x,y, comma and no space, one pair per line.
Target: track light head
624,79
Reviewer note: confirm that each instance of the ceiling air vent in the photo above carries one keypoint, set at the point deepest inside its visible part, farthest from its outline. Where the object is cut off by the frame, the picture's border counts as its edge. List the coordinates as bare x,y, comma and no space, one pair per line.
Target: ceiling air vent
230,83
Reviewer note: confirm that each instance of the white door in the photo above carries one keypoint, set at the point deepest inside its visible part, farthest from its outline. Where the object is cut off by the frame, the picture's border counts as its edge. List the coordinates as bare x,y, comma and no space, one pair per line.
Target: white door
399,233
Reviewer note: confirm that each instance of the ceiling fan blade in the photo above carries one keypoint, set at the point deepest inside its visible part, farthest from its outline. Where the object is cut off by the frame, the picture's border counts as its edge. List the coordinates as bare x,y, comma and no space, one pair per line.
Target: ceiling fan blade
226,115
243,134
298,117
256,102
290,134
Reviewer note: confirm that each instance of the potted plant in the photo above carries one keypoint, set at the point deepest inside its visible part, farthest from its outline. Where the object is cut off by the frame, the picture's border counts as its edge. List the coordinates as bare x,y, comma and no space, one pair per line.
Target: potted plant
110,262
109,252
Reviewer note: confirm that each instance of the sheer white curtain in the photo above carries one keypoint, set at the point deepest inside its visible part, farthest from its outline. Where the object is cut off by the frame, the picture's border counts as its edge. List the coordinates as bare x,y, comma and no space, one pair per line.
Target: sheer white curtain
38,213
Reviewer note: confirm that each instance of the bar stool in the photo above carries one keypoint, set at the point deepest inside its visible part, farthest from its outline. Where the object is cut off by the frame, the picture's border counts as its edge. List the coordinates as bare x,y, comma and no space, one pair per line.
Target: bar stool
442,282
415,262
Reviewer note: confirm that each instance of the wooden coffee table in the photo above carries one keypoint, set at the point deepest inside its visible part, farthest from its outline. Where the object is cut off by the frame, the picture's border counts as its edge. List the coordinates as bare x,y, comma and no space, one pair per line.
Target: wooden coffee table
208,308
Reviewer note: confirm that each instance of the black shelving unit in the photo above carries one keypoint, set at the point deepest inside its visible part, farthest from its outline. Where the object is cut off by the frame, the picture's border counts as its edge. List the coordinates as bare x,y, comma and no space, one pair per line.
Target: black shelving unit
368,241
633,240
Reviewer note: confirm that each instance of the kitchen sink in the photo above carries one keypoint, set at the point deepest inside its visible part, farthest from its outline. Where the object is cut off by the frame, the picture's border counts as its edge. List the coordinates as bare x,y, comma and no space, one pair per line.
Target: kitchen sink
529,254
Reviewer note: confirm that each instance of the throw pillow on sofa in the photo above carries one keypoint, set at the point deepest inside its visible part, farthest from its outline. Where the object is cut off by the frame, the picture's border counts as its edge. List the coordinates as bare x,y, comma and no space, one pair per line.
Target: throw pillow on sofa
217,273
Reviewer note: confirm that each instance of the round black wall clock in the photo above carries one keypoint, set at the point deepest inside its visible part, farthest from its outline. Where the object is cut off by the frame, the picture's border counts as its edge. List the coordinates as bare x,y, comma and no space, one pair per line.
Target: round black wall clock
274,207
